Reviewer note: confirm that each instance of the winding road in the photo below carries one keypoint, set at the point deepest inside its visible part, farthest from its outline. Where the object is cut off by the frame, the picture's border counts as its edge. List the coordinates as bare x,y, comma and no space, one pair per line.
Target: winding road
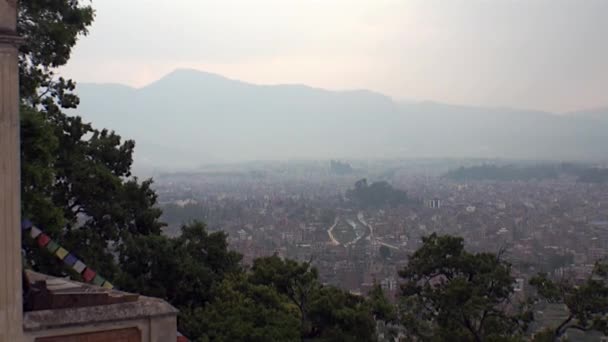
330,232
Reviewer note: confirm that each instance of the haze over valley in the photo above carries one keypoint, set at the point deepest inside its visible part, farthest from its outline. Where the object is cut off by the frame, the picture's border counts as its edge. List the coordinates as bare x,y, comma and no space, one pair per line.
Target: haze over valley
189,118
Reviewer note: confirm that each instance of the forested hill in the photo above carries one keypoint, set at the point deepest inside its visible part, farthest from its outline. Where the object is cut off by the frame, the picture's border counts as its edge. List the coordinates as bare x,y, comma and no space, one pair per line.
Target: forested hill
580,172
190,117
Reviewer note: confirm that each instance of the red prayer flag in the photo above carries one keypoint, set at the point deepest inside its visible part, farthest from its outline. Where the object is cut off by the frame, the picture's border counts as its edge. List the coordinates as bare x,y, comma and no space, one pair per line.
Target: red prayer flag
88,275
43,240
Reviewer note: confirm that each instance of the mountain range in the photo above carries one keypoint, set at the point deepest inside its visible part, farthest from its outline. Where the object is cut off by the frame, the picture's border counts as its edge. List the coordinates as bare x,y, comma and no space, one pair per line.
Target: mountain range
189,118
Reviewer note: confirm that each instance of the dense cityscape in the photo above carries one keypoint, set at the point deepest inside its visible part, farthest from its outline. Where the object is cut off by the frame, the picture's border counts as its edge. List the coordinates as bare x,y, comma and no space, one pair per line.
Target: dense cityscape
302,211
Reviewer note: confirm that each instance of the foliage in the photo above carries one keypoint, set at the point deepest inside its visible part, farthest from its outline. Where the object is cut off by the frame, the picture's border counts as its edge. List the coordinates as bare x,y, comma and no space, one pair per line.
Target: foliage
297,281
182,270
450,294
38,147
337,315
50,30
277,300
594,175
244,311
587,302
504,173
87,187
76,180
326,313
380,306
582,173
377,194
384,251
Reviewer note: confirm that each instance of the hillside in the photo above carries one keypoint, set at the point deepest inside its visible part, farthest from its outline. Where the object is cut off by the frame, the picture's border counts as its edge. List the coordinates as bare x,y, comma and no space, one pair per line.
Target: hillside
190,117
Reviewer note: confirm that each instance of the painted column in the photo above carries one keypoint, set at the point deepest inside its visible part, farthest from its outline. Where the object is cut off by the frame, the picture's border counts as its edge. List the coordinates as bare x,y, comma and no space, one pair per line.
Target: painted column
11,315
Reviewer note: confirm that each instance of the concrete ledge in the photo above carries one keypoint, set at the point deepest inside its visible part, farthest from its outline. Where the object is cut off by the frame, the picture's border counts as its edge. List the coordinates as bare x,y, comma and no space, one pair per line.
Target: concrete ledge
145,307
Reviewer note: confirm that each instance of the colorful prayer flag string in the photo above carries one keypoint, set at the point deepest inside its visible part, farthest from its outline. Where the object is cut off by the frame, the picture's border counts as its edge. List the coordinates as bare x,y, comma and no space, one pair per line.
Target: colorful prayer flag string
44,241
90,276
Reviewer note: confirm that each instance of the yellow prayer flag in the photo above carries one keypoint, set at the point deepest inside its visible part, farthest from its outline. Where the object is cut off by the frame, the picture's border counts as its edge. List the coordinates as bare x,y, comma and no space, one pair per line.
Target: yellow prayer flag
61,253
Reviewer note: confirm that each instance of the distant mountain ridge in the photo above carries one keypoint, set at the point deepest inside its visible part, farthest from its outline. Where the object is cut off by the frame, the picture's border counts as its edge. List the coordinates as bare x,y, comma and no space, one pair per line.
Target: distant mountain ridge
190,117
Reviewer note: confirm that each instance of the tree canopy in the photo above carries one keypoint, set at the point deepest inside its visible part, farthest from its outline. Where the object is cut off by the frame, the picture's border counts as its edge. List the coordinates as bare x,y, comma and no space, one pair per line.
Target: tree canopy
76,179
586,302
450,294
377,194
581,172
326,313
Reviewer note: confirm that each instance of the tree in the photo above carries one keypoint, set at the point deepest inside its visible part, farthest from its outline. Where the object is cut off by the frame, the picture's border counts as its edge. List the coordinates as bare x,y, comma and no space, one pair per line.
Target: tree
50,30
326,313
243,311
185,270
88,201
383,312
450,294
76,180
377,194
380,306
337,315
182,270
385,252
297,281
587,302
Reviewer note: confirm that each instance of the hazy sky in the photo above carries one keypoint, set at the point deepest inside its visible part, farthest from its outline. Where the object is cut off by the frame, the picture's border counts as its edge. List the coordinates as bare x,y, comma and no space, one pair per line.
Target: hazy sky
537,54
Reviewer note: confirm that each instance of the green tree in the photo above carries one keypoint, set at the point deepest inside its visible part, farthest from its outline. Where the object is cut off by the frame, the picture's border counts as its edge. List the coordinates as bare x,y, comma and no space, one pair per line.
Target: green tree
326,313
182,270
377,194
297,281
587,302
76,180
450,294
50,30
385,252
337,315
380,306
243,311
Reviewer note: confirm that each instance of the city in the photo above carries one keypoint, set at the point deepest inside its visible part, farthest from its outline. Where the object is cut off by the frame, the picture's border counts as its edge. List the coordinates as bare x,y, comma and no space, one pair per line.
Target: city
301,211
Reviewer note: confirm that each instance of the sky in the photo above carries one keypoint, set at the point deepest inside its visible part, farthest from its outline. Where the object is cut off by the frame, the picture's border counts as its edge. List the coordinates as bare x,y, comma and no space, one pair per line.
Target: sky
549,55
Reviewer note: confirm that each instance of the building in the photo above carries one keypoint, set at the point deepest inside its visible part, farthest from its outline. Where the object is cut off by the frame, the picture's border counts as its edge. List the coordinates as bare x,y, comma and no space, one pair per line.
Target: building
434,203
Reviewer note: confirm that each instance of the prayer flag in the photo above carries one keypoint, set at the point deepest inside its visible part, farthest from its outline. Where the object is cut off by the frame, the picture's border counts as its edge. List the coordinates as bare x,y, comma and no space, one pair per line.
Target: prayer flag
61,253
35,232
43,240
70,259
88,275
79,266
52,246
26,224
98,280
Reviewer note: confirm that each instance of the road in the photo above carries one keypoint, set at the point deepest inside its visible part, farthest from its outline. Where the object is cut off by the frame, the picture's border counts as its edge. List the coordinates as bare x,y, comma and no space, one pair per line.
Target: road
330,232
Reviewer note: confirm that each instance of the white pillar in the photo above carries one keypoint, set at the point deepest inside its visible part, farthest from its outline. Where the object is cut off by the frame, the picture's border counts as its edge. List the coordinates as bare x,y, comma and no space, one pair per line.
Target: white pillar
11,315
